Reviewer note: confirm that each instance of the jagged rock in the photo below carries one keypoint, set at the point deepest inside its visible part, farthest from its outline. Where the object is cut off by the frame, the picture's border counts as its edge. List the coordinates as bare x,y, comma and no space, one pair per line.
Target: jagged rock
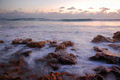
100,38
102,70
21,41
57,76
115,46
37,44
68,43
1,41
60,47
91,77
116,37
27,53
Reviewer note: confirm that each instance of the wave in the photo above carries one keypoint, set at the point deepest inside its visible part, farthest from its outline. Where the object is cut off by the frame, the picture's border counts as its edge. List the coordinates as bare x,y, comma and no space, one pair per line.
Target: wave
66,20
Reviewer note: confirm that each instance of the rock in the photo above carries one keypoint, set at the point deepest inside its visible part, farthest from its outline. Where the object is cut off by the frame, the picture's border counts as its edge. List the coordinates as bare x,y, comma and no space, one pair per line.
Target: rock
115,46
102,70
116,37
32,77
68,43
27,53
27,41
57,76
60,47
99,49
17,41
100,38
112,59
37,44
1,41
91,77
53,44
116,71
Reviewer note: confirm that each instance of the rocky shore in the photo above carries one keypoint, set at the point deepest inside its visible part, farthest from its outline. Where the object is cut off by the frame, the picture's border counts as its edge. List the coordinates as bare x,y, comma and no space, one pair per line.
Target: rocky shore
17,69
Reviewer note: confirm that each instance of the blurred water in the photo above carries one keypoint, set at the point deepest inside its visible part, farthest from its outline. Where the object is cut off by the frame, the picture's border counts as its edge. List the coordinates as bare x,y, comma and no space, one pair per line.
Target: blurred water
81,33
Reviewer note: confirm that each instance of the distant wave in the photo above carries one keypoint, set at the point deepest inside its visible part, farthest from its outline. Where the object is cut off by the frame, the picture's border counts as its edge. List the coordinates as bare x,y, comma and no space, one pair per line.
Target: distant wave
66,20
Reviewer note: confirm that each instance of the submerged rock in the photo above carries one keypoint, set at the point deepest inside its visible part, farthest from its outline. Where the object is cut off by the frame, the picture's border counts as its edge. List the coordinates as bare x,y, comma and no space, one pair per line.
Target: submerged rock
116,37
53,44
100,38
105,55
115,46
27,53
1,41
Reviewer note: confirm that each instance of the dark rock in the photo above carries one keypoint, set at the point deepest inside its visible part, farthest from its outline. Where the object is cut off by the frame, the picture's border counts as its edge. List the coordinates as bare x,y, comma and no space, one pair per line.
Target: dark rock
17,41
53,44
1,41
37,44
32,77
102,70
116,37
57,76
27,53
90,77
100,38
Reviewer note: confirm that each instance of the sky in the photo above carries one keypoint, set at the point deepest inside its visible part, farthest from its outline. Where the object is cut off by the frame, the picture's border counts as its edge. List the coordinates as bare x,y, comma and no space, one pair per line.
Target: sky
60,8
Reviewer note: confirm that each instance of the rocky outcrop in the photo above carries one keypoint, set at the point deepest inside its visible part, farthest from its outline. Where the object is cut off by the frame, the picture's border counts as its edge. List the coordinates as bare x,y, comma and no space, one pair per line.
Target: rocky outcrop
68,43
116,37
26,53
100,38
53,44
105,55
22,41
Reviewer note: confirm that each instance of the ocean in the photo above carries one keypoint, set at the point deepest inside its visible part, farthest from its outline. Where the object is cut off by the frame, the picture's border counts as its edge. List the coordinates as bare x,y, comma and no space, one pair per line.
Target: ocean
79,31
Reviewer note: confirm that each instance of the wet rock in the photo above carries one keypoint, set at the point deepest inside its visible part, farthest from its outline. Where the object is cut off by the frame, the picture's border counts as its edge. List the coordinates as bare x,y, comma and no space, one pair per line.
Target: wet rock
1,41
17,41
60,47
100,38
102,70
21,41
116,37
116,71
99,49
53,44
37,44
115,46
27,53
27,41
57,76
68,43
90,77
32,77
109,58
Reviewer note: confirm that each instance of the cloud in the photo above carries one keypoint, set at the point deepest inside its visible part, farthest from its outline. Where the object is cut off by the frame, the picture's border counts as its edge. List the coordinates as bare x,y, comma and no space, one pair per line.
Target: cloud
104,9
62,8
71,8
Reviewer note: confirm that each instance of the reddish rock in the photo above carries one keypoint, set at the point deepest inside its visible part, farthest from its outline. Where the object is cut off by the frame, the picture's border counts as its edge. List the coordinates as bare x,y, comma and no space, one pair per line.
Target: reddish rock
27,53
109,58
32,77
100,38
115,46
17,41
91,77
53,44
1,41
57,76
37,44
68,43
27,41
102,70
60,47
116,37
100,49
